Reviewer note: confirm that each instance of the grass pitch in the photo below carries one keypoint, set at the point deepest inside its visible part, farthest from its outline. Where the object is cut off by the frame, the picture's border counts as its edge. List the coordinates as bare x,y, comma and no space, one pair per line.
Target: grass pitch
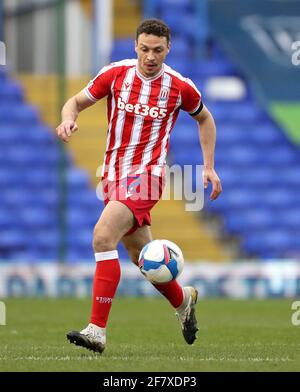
144,335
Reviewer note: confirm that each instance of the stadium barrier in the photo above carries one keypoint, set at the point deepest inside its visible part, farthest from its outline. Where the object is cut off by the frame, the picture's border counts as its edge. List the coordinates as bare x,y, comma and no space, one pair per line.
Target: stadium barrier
239,280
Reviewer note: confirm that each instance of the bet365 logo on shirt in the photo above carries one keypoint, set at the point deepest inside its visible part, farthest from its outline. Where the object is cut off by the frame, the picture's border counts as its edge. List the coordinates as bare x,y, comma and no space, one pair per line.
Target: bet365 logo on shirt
142,109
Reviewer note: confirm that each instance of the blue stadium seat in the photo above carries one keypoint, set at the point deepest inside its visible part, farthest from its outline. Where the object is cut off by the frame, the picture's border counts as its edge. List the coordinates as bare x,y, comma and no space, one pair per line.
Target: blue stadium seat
11,239
43,245
11,92
180,48
80,255
42,196
209,68
179,64
11,133
80,218
41,135
85,200
250,220
289,217
282,155
266,134
8,176
183,5
77,179
19,113
32,188
41,178
239,112
282,197
290,177
239,199
123,48
239,156
45,237
8,220
174,20
188,157
270,244
25,155
254,134
3,75
38,217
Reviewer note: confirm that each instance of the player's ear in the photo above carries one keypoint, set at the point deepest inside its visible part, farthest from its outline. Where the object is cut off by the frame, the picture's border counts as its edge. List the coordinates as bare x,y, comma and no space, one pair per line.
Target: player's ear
135,46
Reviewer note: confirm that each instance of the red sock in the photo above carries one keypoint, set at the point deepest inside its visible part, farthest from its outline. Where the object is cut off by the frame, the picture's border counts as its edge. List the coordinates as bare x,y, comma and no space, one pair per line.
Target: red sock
106,280
172,291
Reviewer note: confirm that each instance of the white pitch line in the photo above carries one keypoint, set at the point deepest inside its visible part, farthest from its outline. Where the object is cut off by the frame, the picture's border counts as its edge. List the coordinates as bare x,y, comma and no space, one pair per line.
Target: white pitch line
97,357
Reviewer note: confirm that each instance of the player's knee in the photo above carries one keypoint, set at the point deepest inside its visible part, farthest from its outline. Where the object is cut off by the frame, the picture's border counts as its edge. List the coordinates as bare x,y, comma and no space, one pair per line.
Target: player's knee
102,242
134,255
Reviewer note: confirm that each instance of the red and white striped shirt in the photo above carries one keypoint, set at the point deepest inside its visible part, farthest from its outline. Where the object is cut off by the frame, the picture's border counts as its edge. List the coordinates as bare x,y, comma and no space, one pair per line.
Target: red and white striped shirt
141,115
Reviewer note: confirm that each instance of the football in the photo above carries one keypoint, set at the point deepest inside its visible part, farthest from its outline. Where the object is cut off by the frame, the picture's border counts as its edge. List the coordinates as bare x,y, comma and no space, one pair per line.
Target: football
161,261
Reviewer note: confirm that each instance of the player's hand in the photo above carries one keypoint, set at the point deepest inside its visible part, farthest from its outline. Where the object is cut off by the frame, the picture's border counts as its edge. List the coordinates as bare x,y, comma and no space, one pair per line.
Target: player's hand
209,175
65,130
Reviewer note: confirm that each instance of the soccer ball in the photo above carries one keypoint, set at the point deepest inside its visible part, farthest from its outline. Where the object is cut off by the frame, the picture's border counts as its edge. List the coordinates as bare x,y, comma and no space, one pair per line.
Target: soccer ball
161,261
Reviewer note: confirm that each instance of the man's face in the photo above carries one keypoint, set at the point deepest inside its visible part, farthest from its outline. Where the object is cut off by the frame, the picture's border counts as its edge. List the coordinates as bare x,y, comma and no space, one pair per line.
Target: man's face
151,52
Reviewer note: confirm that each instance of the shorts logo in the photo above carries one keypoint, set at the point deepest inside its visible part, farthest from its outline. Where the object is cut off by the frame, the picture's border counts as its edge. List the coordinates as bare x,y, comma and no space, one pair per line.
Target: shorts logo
142,109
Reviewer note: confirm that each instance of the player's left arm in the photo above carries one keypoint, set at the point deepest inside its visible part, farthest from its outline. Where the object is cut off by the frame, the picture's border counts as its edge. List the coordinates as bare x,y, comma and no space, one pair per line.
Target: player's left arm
207,136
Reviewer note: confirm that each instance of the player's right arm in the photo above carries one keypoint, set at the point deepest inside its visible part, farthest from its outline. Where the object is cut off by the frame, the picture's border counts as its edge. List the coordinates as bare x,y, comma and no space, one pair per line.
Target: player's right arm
97,88
69,114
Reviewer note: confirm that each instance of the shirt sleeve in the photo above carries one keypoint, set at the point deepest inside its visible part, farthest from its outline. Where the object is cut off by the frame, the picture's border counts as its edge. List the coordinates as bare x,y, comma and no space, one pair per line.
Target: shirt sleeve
191,97
100,86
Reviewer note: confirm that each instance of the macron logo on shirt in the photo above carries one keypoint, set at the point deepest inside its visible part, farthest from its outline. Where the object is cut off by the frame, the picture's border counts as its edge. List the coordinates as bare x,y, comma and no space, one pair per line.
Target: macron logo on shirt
142,109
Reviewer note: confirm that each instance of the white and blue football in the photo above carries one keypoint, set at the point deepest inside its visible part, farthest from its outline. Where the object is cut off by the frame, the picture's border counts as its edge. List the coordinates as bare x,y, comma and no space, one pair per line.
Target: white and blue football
161,261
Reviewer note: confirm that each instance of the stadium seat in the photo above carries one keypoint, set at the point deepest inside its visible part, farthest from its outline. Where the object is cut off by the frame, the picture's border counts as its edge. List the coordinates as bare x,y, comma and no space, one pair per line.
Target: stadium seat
11,92
179,64
76,179
250,220
183,5
123,48
239,155
38,217
34,187
11,240
270,244
80,218
19,113
282,197
180,48
211,67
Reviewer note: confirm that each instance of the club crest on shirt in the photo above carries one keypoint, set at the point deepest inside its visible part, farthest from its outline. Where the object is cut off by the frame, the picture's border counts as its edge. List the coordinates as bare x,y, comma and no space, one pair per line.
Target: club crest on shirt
164,94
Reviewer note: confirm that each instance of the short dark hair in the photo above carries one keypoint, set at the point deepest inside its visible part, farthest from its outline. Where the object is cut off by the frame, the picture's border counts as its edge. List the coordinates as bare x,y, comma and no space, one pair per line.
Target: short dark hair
154,26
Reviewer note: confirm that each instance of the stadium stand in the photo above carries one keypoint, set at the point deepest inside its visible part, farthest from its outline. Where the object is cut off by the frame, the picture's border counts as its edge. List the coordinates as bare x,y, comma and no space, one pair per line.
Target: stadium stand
31,187
258,165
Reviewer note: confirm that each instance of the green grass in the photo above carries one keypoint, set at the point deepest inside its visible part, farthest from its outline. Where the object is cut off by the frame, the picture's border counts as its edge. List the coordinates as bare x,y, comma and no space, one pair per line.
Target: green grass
288,115
144,335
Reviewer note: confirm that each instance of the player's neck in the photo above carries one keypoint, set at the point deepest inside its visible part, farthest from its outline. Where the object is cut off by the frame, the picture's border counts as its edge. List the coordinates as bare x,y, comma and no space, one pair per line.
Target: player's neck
142,75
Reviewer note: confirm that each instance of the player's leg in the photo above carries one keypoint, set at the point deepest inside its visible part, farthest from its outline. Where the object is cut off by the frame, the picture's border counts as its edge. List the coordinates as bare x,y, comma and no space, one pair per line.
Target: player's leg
183,299
135,242
115,220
